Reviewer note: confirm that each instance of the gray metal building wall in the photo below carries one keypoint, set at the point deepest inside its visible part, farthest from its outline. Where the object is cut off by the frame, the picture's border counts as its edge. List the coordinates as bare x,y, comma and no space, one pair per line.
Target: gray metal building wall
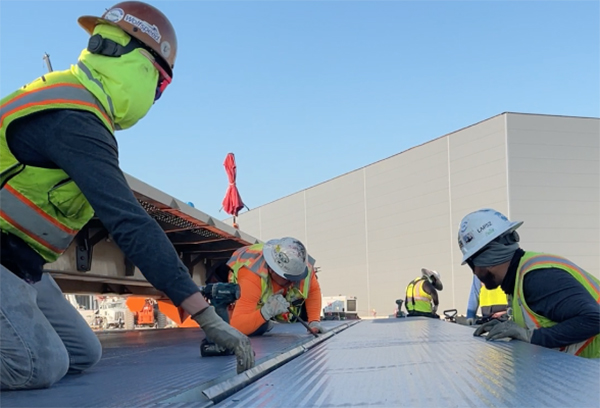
554,173
371,230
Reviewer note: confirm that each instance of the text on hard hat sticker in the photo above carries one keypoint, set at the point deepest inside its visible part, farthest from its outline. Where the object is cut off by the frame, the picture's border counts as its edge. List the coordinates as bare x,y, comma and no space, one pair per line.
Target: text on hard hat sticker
144,26
484,226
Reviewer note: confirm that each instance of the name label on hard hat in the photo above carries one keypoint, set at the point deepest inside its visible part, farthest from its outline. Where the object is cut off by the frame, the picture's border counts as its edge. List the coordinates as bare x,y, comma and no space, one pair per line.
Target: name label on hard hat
484,226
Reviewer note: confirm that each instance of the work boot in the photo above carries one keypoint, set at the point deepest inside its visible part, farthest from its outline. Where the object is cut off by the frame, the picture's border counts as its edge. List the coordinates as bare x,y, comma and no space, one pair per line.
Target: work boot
210,349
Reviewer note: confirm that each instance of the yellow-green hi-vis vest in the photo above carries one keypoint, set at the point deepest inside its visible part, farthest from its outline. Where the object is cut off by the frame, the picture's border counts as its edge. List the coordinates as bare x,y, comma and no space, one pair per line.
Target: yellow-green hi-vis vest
526,318
417,300
492,297
43,207
251,257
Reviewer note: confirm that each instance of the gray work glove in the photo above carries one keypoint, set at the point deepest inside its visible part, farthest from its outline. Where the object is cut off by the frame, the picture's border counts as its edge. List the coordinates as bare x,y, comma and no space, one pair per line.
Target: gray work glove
470,321
224,335
501,330
317,327
276,305
434,309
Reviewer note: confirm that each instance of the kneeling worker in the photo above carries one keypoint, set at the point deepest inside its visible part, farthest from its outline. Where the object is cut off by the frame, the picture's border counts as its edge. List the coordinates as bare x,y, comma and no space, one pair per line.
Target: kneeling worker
421,294
555,303
273,277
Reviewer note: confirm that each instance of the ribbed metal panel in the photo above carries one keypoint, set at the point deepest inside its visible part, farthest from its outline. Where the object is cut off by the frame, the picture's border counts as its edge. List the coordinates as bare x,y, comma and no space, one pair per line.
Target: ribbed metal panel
420,362
144,367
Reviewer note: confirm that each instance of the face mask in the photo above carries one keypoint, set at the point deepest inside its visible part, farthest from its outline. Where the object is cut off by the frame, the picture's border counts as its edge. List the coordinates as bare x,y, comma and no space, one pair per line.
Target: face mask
128,82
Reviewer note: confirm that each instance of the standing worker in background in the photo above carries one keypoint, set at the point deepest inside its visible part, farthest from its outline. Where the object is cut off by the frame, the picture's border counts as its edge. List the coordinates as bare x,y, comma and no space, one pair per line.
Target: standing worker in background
493,302
274,277
554,302
58,166
421,294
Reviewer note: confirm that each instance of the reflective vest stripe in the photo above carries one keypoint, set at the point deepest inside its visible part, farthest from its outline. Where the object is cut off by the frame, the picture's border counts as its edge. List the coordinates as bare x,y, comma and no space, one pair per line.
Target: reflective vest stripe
584,345
87,72
542,259
32,221
62,93
29,234
15,201
529,318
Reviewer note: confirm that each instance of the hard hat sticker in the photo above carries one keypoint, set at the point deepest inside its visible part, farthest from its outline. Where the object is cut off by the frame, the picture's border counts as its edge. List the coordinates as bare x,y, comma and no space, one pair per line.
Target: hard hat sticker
165,49
144,26
114,15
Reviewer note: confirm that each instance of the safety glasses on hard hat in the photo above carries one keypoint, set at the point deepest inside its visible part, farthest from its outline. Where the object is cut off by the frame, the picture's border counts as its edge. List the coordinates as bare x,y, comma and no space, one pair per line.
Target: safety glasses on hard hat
164,79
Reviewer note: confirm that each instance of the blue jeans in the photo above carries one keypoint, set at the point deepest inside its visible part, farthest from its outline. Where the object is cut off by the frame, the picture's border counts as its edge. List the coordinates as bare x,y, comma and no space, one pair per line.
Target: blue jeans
42,336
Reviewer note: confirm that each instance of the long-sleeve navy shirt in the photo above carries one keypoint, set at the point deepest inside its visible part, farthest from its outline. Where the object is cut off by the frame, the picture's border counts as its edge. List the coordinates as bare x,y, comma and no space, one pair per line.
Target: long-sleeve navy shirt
558,296
78,143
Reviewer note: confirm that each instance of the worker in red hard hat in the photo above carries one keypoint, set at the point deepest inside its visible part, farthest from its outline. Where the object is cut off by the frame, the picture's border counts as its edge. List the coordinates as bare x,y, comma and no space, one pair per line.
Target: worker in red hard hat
59,166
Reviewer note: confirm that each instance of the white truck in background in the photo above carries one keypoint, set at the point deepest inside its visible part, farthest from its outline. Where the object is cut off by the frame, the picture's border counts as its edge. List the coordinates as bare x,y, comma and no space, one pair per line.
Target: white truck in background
339,308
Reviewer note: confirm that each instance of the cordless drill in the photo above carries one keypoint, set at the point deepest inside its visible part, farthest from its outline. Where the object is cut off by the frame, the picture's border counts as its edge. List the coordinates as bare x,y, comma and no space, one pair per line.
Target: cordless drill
220,296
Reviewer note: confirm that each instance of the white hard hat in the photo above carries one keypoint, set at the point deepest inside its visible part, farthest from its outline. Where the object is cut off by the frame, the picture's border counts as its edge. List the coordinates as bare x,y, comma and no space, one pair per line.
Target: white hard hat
287,258
481,227
433,277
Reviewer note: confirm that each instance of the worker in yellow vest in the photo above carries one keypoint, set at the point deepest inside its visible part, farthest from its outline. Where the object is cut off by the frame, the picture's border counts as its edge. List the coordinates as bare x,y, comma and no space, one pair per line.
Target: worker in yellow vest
492,302
421,294
58,167
553,302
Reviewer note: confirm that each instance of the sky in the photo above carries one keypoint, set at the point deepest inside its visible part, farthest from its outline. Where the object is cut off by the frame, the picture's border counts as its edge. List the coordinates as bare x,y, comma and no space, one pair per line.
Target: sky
305,91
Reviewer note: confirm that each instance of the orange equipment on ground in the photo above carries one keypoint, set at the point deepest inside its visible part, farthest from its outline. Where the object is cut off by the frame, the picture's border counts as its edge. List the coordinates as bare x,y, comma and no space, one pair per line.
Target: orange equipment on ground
145,311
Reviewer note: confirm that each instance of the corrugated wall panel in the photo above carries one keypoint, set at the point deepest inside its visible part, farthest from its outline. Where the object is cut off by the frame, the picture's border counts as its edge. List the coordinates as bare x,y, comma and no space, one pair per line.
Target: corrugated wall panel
408,221
477,180
372,230
335,216
284,217
554,172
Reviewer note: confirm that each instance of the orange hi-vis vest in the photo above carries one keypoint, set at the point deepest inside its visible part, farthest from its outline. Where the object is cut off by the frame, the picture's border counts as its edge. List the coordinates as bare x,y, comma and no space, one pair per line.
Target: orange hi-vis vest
251,257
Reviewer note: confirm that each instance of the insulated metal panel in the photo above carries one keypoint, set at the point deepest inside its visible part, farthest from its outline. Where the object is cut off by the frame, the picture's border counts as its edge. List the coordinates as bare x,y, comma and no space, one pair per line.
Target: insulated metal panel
408,222
143,367
554,172
477,166
335,216
285,218
421,362
371,230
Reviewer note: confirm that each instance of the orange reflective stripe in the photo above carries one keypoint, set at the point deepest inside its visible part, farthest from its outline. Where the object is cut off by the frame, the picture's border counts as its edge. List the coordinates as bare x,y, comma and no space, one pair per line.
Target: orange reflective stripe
34,207
582,348
29,234
545,258
71,94
30,220
25,94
